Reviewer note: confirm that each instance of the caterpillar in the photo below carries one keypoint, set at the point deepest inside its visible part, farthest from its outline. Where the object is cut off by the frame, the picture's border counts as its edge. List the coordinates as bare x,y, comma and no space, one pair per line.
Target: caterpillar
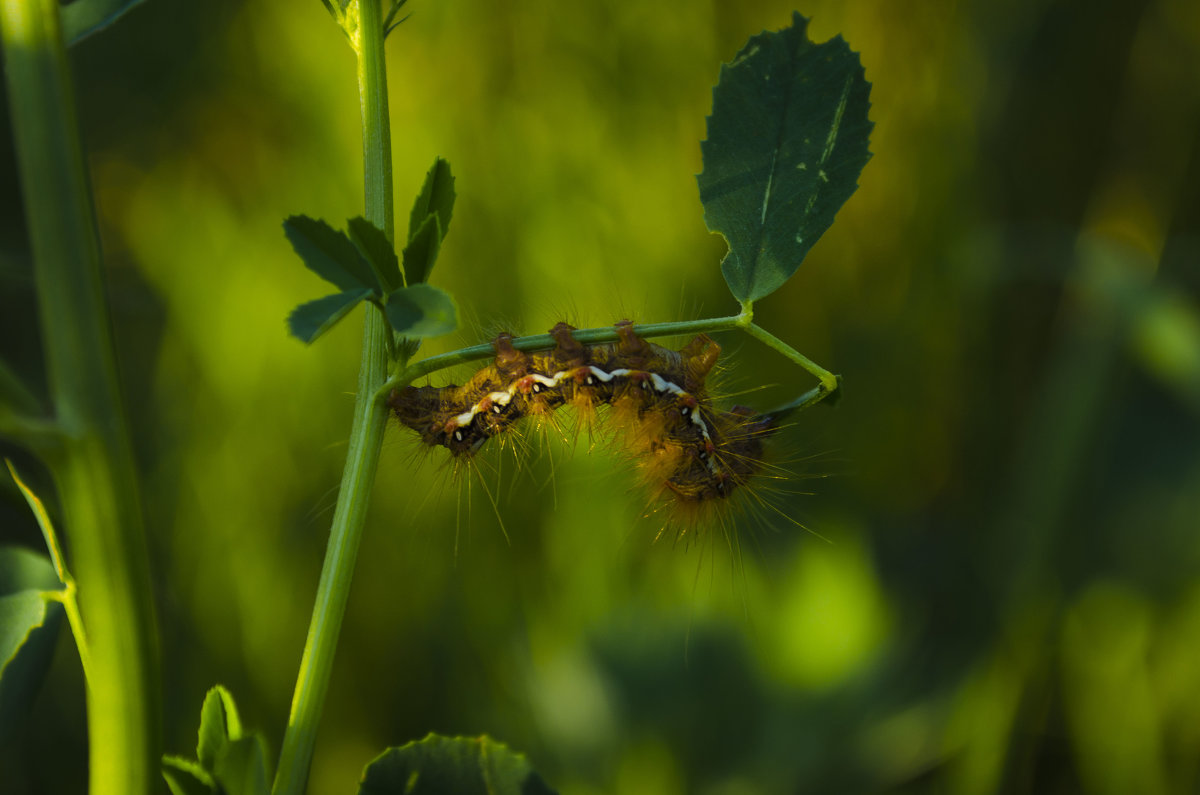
688,450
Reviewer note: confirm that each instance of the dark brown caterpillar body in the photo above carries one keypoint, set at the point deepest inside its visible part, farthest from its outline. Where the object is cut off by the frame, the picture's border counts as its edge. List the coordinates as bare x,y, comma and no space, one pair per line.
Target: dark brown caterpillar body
687,449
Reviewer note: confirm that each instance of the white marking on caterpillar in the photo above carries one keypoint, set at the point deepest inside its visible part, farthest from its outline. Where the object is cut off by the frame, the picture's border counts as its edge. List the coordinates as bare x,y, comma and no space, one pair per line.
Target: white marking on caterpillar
659,383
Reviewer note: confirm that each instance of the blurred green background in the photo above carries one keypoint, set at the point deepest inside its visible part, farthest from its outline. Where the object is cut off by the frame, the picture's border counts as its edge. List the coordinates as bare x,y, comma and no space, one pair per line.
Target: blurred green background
996,584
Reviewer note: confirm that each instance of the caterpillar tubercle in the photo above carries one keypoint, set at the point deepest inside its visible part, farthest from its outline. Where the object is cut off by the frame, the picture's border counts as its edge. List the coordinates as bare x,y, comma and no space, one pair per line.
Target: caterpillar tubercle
687,449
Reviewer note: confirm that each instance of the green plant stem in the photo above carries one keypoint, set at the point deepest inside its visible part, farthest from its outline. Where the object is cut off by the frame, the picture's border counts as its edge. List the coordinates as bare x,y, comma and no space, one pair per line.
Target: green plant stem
366,434
537,342
93,463
809,399
829,381
744,321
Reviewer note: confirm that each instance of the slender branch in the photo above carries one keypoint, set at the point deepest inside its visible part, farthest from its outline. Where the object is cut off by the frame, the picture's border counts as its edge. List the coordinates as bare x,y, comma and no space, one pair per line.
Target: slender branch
366,434
94,469
809,399
829,381
538,342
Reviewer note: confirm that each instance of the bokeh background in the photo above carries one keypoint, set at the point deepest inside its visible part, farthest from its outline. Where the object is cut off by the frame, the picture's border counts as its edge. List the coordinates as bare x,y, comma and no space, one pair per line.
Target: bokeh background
982,575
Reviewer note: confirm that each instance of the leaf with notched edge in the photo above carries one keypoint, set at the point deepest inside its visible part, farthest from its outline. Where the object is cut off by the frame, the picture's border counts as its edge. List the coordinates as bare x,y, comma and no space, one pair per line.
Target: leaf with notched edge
787,140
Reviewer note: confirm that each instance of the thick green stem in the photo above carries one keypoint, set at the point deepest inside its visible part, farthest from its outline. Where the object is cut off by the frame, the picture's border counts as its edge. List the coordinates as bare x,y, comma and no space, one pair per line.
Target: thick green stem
92,462
366,435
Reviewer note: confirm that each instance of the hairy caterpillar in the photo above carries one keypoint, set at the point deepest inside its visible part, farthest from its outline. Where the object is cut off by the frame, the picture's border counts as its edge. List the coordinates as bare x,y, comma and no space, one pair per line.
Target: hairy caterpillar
687,449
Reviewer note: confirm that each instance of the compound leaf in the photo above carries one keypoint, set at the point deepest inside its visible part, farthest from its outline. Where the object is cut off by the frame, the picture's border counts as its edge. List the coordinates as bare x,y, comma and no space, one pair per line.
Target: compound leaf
787,139
422,310
462,765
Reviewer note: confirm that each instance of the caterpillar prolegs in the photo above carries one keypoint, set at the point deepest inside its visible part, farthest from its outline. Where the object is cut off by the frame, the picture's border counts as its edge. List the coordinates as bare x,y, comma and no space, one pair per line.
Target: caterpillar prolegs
687,449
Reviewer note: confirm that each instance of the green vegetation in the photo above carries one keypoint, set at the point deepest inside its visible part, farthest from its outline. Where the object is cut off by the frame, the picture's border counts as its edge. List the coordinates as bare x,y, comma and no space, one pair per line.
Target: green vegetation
998,592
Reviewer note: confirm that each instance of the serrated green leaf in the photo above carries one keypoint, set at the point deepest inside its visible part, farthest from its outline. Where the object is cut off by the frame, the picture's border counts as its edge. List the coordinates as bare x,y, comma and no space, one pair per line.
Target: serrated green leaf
787,139
328,253
185,777
436,198
378,251
422,251
29,626
312,319
421,311
459,765
82,18
219,726
241,767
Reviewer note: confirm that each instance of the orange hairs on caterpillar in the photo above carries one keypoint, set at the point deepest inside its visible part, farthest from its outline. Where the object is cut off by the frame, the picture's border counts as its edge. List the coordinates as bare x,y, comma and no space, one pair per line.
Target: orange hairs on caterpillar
689,453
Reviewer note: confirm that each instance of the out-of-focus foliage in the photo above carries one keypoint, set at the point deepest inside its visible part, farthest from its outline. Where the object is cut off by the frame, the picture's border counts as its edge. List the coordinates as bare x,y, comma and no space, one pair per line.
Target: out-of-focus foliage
463,765
29,623
228,759
993,586
82,18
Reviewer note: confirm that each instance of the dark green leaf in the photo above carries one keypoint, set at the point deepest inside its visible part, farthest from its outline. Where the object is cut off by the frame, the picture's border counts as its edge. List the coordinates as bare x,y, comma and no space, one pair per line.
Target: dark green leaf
82,18
378,251
422,251
185,777
219,726
336,8
390,22
29,625
459,765
422,310
436,198
241,768
310,320
328,253
787,139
